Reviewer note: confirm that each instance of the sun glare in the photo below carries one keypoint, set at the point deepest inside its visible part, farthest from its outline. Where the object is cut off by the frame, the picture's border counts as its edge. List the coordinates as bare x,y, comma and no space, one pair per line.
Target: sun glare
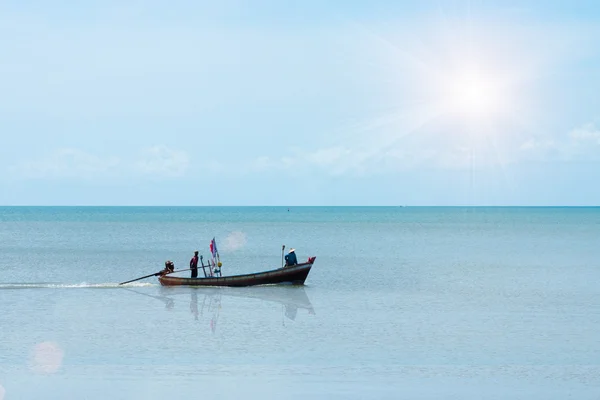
457,92
471,94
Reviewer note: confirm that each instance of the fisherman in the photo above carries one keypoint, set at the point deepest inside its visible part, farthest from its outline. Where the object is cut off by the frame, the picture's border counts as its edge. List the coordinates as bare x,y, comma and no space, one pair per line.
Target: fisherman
194,265
290,258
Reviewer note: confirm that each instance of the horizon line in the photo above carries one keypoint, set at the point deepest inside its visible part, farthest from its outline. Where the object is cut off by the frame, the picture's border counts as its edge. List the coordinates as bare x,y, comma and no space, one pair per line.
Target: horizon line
297,206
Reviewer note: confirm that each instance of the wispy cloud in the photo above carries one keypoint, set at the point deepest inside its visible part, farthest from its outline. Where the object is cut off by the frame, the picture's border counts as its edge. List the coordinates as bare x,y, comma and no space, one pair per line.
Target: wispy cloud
355,161
66,163
587,133
262,163
162,161
71,163
580,144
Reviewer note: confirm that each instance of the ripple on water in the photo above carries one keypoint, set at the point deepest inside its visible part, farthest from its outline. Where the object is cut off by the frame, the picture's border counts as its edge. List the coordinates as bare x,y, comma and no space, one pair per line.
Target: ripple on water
85,285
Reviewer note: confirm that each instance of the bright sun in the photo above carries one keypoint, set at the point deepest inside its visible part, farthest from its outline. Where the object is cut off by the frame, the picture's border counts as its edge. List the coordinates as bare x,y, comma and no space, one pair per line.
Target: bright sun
470,94
454,92
459,82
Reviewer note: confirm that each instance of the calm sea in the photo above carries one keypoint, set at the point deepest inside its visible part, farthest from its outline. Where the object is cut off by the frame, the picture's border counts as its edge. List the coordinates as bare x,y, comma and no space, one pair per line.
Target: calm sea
402,303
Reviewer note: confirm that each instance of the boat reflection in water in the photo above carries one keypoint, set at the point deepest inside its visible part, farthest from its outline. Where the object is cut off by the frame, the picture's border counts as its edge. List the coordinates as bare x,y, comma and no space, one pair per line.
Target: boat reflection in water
208,301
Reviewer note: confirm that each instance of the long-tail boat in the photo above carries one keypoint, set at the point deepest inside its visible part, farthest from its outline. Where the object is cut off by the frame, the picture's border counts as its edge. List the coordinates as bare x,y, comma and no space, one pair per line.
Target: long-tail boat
294,274
289,274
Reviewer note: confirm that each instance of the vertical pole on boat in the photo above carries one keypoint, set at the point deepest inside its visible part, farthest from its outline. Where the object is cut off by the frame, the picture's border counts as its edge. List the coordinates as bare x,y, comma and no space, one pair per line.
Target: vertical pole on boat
202,263
282,248
219,264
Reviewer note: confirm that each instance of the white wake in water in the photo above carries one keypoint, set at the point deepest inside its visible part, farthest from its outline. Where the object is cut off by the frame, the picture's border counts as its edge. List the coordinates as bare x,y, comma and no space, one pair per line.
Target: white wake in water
72,285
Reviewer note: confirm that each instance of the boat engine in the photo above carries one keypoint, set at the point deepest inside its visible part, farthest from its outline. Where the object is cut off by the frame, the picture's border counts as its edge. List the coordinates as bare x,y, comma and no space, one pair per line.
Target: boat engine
169,266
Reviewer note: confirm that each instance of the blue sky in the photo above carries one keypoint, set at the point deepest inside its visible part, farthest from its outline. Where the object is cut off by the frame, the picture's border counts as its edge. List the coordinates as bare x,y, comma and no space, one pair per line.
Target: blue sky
316,103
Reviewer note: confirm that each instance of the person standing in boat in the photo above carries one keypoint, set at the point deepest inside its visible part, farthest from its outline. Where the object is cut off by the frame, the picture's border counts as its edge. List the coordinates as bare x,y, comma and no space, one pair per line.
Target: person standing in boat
194,265
290,258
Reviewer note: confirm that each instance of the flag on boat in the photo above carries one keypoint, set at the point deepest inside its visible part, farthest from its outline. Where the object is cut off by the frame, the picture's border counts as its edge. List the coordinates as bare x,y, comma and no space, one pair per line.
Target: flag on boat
213,247
216,261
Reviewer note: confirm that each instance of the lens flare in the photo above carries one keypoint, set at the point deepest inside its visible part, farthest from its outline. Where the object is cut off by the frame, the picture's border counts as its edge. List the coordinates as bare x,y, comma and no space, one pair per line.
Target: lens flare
46,358
235,241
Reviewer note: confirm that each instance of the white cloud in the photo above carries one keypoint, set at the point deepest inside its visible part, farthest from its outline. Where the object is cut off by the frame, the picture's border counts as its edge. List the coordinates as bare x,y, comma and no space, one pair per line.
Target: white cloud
337,160
342,160
334,161
265,163
329,156
161,161
586,133
261,164
70,163
580,144
66,163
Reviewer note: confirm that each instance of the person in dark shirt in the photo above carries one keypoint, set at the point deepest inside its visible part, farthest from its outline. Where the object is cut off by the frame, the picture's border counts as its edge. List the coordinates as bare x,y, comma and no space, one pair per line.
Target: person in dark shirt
290,258
194,265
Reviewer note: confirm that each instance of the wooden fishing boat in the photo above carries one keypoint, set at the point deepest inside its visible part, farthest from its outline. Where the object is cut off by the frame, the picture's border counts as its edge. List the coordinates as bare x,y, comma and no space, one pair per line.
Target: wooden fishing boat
294,274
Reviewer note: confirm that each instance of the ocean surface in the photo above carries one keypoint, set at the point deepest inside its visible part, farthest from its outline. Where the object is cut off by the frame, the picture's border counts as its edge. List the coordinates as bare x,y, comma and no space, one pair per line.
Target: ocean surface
402,303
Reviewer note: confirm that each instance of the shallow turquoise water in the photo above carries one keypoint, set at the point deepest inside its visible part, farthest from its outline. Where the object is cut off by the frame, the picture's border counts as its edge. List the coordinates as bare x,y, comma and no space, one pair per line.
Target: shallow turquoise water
425,303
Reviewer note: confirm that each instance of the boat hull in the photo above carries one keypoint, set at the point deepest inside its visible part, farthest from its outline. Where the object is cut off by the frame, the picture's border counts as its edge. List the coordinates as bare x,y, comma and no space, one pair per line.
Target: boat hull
295,275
